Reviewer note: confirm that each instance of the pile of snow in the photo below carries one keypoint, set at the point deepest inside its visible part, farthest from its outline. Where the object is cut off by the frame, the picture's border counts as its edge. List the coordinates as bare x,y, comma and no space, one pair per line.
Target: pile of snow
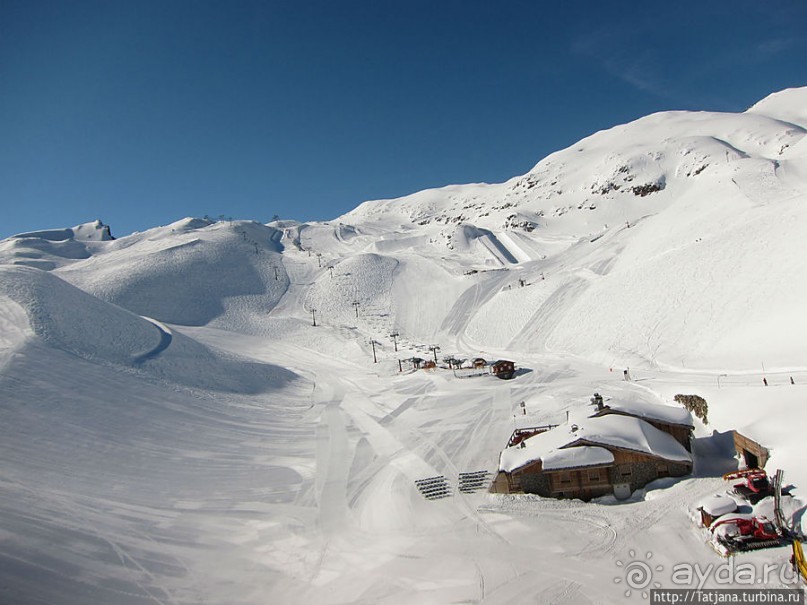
73,321
70,319
718,505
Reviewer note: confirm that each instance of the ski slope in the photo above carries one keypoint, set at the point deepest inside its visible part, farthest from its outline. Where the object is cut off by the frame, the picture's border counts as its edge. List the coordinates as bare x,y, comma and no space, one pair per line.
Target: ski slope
176,430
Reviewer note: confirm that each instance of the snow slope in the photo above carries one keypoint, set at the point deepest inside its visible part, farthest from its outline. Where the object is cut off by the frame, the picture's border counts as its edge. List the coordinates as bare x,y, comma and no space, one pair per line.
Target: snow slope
175,429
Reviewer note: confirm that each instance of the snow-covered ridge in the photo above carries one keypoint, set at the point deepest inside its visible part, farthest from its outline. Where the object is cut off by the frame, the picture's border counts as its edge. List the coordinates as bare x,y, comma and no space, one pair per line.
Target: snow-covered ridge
638,245
635,159
88,232
787,105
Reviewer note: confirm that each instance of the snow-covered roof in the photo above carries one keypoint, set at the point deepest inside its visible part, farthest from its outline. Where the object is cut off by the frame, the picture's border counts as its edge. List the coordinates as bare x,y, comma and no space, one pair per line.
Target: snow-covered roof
535,448
612,431
651,411
718,505
575,457
634,434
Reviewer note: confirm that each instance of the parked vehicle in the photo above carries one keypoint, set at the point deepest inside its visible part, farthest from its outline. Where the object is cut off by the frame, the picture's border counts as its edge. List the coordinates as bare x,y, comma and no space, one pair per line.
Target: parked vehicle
744,532
754,486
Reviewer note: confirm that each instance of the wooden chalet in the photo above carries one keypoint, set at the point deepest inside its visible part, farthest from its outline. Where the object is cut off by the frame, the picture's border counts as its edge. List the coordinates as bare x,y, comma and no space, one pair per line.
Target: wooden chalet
610,454
503,369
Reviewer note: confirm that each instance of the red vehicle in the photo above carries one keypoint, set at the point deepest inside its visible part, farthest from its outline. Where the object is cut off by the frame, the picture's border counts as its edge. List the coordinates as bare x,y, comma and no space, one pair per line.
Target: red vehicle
746,533
755,484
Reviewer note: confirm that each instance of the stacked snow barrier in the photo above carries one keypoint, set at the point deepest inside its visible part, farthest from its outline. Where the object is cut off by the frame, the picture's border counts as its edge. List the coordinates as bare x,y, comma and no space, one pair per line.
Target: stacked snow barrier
433,488
471,482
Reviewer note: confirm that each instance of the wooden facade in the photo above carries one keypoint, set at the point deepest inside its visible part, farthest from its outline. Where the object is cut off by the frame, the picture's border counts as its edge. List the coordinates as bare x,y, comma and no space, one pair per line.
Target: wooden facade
504,369
629,468
751,453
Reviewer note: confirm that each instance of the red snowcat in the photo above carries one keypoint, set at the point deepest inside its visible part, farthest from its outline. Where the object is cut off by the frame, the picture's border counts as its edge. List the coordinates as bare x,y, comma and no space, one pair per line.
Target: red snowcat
746,533
754,486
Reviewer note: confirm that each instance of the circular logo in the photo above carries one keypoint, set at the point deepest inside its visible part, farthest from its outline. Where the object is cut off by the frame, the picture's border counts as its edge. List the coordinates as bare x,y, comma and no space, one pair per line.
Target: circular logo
638,574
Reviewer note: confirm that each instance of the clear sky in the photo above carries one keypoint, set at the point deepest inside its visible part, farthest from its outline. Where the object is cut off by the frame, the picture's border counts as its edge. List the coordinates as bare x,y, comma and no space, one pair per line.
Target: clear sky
140,113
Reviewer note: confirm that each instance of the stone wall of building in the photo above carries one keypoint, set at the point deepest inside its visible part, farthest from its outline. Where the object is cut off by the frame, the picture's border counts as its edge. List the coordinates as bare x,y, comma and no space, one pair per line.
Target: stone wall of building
533,483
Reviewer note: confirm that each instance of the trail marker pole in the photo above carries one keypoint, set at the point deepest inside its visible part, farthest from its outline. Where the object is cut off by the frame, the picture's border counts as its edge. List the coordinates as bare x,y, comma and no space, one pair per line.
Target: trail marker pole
313,317
375,359
395,336
356,304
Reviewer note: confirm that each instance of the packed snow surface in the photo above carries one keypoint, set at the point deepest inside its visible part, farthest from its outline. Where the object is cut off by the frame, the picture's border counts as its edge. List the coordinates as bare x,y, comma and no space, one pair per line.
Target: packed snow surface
227,412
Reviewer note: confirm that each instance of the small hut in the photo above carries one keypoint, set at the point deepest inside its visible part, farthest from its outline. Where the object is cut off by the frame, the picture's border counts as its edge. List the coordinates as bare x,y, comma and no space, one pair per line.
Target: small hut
504,369
750,453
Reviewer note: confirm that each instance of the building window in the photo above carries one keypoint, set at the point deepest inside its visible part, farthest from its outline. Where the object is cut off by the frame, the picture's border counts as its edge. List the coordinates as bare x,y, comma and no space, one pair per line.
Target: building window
565,477
663,470
594,475
625,472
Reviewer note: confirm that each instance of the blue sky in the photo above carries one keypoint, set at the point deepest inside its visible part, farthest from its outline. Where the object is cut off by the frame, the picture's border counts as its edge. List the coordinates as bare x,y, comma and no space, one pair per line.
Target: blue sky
140,113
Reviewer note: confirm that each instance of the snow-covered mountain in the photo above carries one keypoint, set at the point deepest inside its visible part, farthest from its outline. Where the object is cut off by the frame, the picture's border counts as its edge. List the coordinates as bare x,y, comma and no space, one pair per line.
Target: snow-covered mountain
169,404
